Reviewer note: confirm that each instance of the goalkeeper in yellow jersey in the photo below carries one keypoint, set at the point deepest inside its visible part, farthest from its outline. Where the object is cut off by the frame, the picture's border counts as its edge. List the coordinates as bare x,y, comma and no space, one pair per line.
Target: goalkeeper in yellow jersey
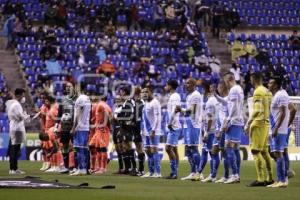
258,129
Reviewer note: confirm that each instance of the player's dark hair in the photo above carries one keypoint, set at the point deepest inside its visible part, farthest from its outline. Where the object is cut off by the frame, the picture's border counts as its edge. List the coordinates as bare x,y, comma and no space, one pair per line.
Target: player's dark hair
173,83
50,98
257,76
149,87
206,86
19,91
278,81
126,90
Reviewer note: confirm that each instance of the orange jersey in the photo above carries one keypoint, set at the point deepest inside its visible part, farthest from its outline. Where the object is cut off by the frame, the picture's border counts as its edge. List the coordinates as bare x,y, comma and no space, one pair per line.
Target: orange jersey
51,116
52,139
103,115
44,109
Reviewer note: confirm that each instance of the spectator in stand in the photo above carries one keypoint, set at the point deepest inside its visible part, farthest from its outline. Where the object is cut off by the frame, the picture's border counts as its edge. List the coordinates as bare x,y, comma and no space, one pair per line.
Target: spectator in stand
294,40
214,64
106,68
200,61
170,14
191,30
263,57
231,19
133,53
53,67
250,49
236,70
62,14
40,34
81,59
217,12
157,16
237,50
17,29
51,15
201,12
8,30
101,54
48,51
110,29
114,45
90,53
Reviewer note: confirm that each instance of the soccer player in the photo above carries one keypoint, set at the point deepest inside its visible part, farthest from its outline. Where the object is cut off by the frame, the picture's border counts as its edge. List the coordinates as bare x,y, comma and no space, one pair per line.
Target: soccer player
43,111
219,142
193,112
279,120
233,125
258,128
50,120
126,119
92,147
137,136
116,133
100,140
65,120
152,131
211,126
289,172
80,130
174,126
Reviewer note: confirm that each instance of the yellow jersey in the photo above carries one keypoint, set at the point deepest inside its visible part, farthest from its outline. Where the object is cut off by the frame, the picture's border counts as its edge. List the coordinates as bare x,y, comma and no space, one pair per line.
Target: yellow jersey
262,98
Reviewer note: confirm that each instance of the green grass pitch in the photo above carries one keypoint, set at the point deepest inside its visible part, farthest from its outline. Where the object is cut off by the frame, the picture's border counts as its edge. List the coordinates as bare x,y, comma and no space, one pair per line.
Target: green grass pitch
128,187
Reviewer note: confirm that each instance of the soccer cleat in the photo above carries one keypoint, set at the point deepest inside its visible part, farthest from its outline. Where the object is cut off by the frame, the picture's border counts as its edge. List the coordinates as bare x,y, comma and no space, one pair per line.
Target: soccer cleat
50,170
64,170
279,185
46,166
171,176
271,185
119,172
12,172
147,175
269,182
72,171
191,176
140,173
201,177
43,166
222,180
98,171
232,179
79,173
156,175
286,183
209,179
257,184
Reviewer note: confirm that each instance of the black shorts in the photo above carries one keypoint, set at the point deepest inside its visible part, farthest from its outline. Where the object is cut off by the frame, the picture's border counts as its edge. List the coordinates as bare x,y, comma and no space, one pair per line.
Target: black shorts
65,138
117,139
126,136
137,137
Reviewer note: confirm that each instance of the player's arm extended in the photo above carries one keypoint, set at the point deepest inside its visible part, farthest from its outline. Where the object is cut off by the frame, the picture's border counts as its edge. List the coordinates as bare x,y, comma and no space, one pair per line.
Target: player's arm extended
221,100
293,112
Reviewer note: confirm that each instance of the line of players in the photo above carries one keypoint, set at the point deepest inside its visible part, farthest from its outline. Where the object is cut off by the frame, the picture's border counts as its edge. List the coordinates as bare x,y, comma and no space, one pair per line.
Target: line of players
217,116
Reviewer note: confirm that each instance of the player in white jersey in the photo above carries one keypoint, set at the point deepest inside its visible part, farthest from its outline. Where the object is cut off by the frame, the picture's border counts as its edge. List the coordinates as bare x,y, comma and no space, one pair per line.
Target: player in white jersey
152,131
234,124
194,118
219,142
279,120
81,129
174,127
212,110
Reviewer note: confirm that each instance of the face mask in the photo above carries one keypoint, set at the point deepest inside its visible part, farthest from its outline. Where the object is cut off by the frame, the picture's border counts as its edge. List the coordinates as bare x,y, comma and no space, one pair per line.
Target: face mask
23,100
